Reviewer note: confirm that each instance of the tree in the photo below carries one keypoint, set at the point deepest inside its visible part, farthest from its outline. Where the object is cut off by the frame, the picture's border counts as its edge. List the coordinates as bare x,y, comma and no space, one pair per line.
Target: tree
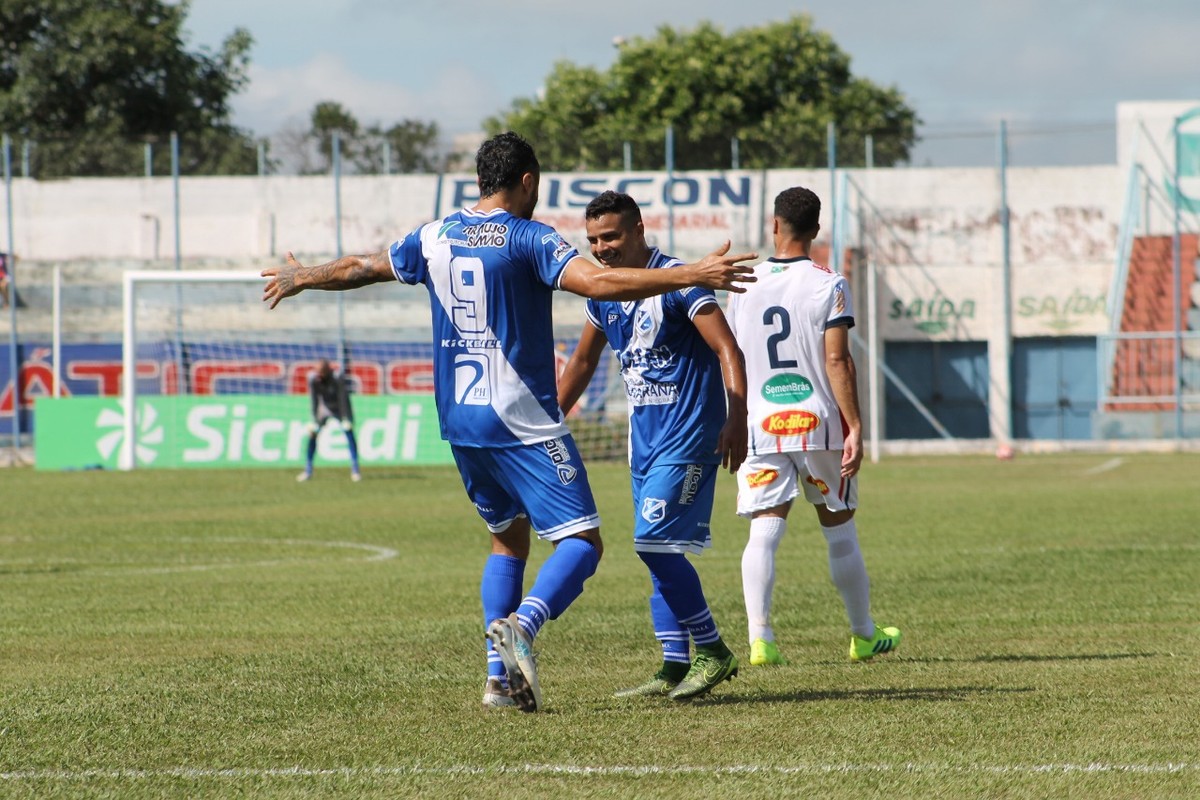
91,81
407,146
774,88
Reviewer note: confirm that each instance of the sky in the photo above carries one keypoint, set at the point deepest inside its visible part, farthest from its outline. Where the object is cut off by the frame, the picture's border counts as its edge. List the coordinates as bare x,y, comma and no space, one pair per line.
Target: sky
1052,70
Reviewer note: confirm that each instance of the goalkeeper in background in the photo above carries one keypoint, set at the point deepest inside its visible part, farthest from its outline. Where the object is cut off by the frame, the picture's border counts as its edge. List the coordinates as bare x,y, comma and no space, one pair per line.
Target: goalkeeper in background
330,396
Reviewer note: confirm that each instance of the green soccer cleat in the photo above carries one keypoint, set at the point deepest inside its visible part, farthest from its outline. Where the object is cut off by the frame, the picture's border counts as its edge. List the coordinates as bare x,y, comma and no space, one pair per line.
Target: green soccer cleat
885,640
764,653
708,670
660,685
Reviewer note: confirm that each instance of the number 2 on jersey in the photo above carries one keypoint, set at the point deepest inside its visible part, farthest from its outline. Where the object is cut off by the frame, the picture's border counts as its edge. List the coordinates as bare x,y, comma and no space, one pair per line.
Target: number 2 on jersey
778,315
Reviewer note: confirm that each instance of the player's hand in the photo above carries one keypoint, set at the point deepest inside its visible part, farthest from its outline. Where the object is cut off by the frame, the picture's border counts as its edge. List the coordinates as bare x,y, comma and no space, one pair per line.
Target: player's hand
282,281
720,270
852,453
732,442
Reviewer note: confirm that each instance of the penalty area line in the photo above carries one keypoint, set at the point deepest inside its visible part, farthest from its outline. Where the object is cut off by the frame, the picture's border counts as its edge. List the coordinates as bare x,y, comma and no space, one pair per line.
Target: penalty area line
193,773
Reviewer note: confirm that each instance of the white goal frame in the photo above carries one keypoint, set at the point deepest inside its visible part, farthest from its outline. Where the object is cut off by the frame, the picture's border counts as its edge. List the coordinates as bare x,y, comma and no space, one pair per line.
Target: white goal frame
127,459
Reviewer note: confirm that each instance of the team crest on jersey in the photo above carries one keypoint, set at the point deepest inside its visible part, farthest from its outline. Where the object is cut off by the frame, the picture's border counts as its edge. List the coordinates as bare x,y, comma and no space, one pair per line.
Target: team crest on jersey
654,510
790,423
643,322
821,485
757,480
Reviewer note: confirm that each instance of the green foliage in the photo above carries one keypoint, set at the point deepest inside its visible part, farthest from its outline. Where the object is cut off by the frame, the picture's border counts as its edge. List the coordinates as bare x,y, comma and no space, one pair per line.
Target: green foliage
89,82
407,146
236,634
774,88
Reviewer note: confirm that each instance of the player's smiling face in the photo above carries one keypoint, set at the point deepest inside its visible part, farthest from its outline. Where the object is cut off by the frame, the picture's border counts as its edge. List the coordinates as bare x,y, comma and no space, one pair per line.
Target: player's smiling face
616,240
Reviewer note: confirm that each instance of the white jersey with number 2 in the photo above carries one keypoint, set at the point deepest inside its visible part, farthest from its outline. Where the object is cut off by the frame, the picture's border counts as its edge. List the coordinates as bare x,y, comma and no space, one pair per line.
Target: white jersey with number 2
780,323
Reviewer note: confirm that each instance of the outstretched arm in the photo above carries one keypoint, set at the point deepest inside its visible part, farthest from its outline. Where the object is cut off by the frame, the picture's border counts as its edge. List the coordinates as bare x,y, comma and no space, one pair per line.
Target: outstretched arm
347,272
843,378
731,443
580,367
717,270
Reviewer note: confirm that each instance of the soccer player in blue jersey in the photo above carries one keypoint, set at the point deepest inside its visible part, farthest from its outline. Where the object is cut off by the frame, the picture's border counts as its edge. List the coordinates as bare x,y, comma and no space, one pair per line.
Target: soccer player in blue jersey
686,385
491,271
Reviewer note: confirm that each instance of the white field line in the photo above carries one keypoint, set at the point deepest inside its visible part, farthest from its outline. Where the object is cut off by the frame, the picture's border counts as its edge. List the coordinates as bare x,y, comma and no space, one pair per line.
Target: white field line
601,771
1107,466
376,553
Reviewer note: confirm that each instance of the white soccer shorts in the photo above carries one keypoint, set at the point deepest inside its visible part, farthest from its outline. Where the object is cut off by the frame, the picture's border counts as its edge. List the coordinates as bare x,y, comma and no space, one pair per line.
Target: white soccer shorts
772,479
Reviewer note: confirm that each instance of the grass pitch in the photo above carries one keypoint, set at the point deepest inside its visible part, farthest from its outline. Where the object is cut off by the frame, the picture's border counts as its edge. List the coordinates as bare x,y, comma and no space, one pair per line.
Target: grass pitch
231,634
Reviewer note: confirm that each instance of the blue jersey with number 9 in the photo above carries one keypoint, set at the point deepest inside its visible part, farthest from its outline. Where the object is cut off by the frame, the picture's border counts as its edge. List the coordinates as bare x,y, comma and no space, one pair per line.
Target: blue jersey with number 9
491,278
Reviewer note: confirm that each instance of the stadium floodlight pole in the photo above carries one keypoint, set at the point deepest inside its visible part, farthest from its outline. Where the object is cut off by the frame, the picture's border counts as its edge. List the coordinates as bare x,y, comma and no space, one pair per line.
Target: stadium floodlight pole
869,144
336,157
627,152
670,146
873,374
735,160
148,159
13,363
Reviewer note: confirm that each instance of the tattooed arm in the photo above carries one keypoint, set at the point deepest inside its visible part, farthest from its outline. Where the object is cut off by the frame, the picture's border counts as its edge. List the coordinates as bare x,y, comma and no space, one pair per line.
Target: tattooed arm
347,272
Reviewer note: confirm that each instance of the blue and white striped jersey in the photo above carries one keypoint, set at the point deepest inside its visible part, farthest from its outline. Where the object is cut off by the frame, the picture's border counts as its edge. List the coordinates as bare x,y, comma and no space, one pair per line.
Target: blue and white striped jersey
491,277
672,377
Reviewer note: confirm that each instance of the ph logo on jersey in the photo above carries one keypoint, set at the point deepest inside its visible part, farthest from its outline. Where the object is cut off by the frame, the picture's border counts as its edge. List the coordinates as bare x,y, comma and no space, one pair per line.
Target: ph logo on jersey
470,380
560,456
654,510
790,423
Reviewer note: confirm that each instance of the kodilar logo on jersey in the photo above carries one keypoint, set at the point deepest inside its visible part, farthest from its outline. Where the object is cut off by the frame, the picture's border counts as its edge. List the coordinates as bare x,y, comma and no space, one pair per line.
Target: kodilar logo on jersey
790,423
787,388
561,457
654,509
561,246
691,484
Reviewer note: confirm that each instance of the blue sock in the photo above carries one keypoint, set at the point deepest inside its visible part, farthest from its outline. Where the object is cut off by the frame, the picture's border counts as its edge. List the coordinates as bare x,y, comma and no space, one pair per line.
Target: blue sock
500,590
679,584
312,451
670,634
353,450
559,582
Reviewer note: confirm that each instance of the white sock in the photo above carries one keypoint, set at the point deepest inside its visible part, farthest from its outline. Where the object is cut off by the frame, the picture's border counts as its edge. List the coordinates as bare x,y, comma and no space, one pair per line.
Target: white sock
758,574
849,574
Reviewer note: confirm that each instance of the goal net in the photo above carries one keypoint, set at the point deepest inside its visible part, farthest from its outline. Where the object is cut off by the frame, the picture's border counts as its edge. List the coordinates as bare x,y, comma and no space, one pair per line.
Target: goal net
221,381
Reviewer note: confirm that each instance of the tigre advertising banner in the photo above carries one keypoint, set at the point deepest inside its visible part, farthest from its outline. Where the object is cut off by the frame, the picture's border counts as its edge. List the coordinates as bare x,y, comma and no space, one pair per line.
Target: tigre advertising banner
233,431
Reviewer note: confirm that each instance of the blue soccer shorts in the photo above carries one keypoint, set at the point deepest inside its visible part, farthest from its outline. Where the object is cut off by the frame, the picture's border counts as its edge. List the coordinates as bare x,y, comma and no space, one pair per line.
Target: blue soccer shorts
545,482
672,507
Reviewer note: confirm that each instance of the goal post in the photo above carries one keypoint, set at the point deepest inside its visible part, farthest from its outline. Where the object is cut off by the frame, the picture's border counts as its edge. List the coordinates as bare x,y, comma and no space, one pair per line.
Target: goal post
213,378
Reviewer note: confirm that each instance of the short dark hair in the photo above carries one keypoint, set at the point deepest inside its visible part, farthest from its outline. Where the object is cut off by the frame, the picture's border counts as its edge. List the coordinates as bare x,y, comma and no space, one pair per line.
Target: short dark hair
502,160
610,202
799,208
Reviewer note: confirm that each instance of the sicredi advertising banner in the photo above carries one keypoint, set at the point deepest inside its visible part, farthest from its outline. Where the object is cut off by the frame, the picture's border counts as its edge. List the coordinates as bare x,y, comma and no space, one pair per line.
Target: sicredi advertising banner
233,431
